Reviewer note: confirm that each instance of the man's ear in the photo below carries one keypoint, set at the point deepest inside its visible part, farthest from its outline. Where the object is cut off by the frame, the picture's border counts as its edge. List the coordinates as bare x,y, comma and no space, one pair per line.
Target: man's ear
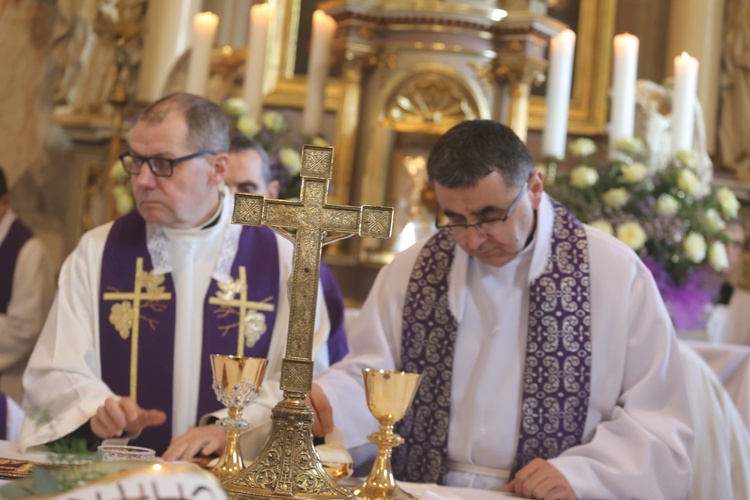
273,189
536,188
219,168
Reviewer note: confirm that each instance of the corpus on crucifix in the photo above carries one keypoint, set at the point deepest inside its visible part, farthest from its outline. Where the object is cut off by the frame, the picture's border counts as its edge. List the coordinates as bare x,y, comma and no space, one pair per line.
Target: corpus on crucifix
288,466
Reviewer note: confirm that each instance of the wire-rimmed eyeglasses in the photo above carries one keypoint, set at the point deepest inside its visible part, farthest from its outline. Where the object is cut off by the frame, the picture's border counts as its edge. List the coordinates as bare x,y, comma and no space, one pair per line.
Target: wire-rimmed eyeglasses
160,167
485,225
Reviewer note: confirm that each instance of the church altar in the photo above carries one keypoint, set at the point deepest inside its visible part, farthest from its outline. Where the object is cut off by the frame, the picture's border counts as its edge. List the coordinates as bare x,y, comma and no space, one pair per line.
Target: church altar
9,449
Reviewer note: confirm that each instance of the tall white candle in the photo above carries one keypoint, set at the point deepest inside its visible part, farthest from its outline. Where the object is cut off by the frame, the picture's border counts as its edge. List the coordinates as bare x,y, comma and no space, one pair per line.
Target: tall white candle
167,36
560,75
252,88
683,102
622,108
204,31
323,29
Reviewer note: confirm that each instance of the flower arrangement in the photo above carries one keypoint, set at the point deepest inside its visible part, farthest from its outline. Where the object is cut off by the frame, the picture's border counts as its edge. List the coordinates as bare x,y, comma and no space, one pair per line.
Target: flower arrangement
282,144
668,216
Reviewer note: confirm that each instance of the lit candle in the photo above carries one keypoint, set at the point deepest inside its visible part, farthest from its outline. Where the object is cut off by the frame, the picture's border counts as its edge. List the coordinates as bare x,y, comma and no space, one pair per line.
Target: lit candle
324,27
683,102
562,48
252,88
204,31
622,108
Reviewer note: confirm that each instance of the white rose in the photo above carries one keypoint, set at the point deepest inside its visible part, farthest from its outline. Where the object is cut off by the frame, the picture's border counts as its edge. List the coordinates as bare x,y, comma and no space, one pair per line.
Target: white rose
273,121
717,256
616,197
632,234
629,145
291,159
583,177
634,172
712,219
728,202
688,182
248,125
602,225
695,247
319,141
118,173
667,204
688,159
234,106
582,147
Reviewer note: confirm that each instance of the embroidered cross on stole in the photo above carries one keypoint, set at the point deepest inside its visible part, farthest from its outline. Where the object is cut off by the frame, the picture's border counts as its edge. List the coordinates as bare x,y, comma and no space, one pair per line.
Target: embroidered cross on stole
251,324
556,379
125,316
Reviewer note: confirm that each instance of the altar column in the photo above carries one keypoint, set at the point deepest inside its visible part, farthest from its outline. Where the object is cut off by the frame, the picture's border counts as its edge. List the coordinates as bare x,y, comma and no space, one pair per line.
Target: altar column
519,75
705,17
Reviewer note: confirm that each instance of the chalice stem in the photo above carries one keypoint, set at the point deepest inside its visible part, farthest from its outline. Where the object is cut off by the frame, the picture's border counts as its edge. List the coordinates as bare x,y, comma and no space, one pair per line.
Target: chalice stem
380,484
231,461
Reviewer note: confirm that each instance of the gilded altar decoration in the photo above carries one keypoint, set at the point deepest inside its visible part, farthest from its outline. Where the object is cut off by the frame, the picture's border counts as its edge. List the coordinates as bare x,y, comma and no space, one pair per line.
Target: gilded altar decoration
125,316
287,465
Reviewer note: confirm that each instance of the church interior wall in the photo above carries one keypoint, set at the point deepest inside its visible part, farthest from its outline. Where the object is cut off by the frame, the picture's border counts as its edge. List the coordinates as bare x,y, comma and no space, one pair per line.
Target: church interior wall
49,161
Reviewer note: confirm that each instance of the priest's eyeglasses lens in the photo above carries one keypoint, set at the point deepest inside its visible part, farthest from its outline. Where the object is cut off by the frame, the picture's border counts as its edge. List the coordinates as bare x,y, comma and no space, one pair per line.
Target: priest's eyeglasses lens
487,226
160,167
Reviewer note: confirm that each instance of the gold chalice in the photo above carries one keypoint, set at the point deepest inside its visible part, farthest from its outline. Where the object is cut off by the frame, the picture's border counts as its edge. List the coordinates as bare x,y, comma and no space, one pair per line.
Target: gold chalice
389,396
237,381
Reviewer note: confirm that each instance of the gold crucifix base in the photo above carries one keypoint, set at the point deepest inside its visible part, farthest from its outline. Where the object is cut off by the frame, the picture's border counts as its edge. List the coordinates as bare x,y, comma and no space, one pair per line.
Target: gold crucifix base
288,465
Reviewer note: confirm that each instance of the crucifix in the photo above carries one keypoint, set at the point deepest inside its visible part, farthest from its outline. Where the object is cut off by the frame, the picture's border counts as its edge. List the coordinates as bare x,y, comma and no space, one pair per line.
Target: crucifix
244,305
153,291
288,466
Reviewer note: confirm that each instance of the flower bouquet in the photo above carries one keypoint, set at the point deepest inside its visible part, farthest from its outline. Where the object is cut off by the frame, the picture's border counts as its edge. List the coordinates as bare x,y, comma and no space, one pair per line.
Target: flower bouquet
672,219
282,144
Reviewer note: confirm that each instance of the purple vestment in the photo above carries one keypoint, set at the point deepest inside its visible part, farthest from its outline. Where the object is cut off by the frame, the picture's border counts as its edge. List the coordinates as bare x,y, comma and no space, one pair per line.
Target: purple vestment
17,236
257,251
558,355
338,346
3,416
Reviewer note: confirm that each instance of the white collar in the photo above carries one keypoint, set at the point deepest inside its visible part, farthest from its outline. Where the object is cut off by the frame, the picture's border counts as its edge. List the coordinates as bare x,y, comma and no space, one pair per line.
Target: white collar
540,248
230,233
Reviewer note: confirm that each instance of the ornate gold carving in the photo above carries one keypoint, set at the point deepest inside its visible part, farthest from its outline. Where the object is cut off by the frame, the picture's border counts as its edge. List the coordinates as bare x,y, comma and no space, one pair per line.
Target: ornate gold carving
135,300
288,466
428,99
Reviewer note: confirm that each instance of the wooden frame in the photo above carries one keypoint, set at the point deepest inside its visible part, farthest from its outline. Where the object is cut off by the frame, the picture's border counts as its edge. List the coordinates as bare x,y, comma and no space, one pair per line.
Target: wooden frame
592,72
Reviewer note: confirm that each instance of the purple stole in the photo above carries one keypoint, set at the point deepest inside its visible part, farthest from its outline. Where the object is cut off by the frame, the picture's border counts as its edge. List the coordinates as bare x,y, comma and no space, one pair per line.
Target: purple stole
17,236
557,371
338,346
3,416
126,242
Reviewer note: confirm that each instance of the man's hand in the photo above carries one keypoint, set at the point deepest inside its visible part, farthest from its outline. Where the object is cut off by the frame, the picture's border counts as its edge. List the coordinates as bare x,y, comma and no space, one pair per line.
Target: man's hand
119,415
206,439
539,479
323,422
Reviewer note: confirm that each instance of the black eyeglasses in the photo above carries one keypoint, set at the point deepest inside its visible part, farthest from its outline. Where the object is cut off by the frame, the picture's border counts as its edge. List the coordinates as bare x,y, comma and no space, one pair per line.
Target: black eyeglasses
160,167
487,226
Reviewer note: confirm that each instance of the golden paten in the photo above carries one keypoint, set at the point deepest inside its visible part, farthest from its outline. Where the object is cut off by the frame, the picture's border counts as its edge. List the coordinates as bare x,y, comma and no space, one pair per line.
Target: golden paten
288,466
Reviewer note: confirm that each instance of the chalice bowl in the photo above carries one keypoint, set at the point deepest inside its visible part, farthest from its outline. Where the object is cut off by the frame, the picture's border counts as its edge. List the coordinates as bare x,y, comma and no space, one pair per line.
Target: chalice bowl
237,381
389,396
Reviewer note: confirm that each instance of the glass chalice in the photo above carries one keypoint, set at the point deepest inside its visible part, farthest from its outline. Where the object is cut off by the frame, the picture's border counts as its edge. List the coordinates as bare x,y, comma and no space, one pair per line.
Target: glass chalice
237,381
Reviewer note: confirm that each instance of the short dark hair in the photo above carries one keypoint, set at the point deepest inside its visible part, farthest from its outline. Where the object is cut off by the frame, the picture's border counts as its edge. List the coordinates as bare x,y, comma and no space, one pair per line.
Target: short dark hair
240,142
473,149
208,126
3,183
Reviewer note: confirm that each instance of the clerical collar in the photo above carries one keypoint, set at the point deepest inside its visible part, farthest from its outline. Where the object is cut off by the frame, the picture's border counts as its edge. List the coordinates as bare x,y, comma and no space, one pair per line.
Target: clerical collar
217,216
531,234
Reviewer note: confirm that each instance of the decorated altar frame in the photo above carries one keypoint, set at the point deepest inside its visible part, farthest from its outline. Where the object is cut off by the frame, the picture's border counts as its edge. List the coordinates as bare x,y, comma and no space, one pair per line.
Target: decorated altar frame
588,105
